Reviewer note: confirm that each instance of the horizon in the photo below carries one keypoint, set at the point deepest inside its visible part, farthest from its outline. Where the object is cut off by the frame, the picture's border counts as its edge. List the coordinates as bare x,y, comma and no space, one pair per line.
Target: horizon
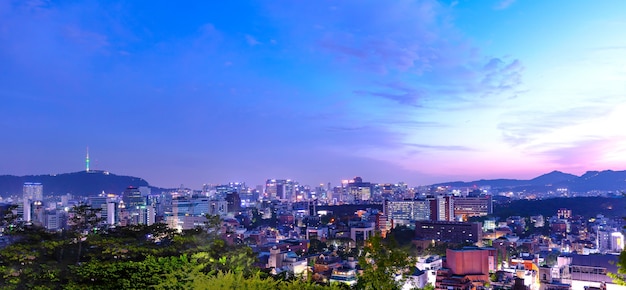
415,91
333,183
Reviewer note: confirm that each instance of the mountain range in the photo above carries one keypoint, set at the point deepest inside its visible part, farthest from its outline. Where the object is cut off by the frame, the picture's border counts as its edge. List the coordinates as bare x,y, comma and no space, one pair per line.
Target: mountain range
607,180
94,182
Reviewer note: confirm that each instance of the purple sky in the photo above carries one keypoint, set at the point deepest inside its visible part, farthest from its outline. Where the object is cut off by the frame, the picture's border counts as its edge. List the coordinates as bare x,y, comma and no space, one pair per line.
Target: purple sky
316,91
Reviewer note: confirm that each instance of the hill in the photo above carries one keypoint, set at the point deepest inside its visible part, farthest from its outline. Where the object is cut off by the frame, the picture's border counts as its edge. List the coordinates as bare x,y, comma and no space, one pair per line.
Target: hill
607,180
584,206
77,183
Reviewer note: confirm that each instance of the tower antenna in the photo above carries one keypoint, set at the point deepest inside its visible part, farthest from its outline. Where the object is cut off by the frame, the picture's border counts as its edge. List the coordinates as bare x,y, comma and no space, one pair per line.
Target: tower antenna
87,160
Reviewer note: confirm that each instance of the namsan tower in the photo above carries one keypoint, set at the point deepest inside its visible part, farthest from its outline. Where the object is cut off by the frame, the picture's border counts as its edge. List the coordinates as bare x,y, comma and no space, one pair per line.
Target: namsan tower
87,160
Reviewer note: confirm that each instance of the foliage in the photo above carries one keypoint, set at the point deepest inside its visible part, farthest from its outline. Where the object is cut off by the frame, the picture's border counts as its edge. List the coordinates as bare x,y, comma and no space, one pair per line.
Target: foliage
125,257
620,277
381,262
403,234
8,219
439,248
229,280
316,246
156,257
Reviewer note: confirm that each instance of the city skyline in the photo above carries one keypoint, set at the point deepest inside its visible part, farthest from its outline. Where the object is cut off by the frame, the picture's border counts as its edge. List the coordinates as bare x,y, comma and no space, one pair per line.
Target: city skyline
414,91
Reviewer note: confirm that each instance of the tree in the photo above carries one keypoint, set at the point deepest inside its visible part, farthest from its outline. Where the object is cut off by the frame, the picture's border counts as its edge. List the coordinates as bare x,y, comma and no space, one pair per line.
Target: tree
8,219
403,234
30,262
620,277
382,261
316,246
83,220
439,248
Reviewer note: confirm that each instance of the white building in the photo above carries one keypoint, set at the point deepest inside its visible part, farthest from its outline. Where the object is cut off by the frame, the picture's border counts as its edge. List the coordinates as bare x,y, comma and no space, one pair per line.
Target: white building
430,265
417,280
617,242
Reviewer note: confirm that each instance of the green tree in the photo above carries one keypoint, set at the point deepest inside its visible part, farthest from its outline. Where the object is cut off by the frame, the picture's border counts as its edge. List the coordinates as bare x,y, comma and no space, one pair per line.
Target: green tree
144,274
83,221
316,246
428,287
31,262
381,261
620,277
8,219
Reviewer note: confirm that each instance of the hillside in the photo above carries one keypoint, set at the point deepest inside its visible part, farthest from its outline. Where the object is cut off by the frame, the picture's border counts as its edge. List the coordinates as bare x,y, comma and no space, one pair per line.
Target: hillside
78,183
607,180
584,206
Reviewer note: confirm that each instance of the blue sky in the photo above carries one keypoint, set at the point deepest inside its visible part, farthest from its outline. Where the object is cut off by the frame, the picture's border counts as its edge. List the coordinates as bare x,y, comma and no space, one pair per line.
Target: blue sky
317,91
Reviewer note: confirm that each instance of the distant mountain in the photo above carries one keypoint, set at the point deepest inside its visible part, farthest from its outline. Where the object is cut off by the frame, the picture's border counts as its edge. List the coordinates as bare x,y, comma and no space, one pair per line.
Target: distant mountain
607,180
600,180
553,177
78,183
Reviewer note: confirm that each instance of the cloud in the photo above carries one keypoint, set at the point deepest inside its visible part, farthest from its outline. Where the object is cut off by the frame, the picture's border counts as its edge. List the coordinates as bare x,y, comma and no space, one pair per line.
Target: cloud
345,129
441,147
87,39
373,36
503,4
413,43
397,92
251,40
576,156
526,127
400,122
499,76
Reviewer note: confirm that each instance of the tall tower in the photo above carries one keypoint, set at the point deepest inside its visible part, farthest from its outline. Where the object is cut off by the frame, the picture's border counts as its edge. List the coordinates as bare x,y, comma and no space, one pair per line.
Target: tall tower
87,161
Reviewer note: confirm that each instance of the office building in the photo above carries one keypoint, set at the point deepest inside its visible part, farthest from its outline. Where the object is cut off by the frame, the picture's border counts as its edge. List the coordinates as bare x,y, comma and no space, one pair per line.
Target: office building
403,212
234,202
360,191
441,208
472,206
32,191
454,232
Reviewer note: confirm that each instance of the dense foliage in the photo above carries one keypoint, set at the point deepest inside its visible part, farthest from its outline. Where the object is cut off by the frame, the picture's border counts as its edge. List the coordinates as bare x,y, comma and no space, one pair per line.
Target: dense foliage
132,257
144,257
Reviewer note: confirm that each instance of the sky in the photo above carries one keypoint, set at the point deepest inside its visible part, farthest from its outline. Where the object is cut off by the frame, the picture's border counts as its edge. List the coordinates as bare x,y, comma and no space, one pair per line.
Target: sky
317,91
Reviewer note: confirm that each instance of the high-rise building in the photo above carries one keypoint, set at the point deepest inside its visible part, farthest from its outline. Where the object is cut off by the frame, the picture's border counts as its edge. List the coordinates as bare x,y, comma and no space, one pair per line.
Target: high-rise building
135,206
283,189
111,213
405,211
32,191
26,210
441,208
359,190
275,188
234,202
133,198
472,206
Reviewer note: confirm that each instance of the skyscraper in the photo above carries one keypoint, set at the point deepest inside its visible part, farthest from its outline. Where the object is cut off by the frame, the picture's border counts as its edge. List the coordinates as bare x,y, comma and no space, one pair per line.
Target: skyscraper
32,191
361,191
441,208
282,189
